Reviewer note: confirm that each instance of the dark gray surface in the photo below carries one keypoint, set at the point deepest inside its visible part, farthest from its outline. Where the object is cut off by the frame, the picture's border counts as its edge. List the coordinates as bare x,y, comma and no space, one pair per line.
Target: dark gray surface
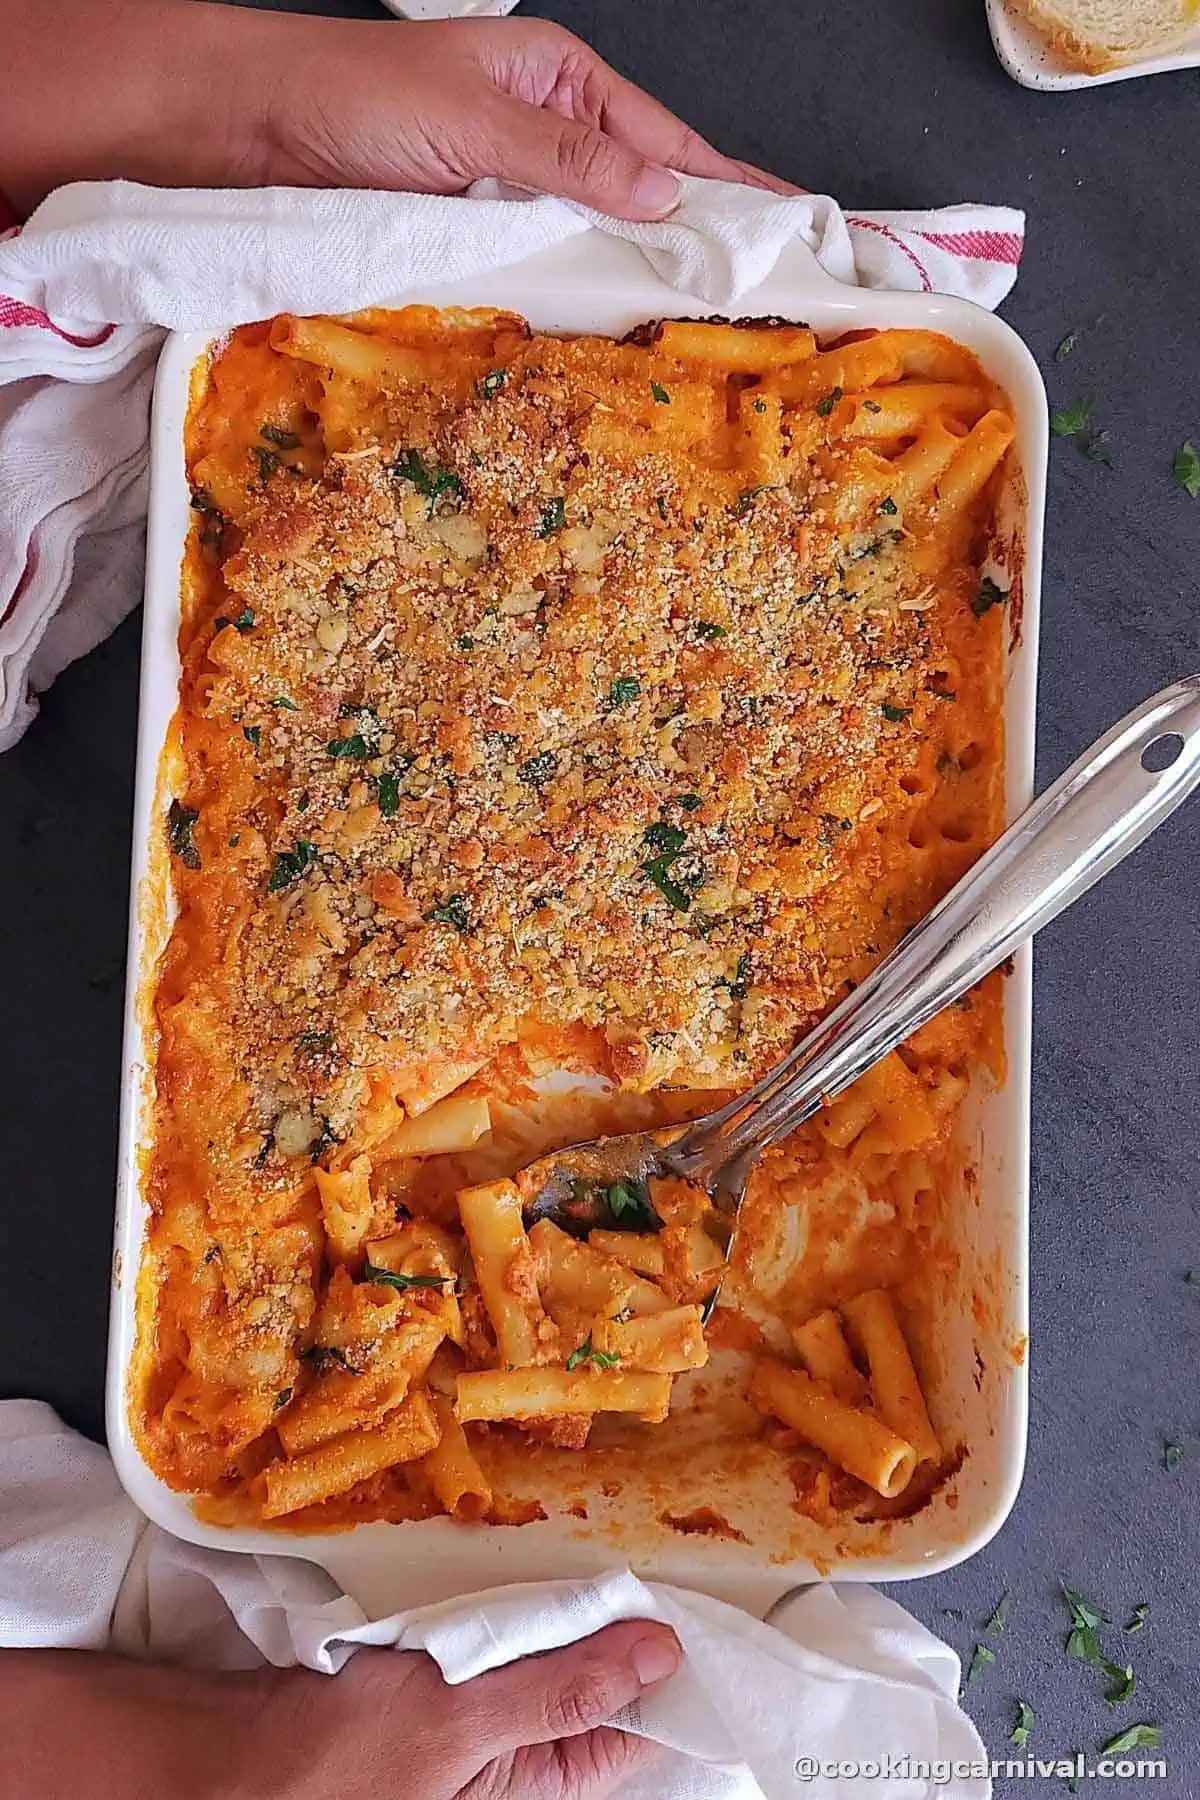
880,104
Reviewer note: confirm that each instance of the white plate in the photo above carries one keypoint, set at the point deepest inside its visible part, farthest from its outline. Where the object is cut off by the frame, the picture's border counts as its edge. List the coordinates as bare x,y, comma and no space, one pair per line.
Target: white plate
1029,59
448,9
596,283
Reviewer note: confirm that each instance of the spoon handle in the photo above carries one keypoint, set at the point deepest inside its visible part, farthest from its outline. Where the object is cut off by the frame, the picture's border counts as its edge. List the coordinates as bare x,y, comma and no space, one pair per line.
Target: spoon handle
1106,803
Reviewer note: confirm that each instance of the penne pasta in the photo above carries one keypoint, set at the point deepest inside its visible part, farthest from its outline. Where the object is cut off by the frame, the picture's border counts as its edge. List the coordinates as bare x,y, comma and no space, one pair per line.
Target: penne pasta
452,1468
549,1393
821,1345
853,1439
872,1320
407,1434
505,1269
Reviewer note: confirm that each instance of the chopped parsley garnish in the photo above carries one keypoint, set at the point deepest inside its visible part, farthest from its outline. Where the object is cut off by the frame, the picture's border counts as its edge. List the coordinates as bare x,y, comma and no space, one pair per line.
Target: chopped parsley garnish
291,864
554,517
747,497
1070,421
872,406
282,440
355,747
708,631
1122,1682
660,393
1186,469
661,836
661,505
989,595
388,791
659,873
252,734
826,406
689,802
265,1149
180,822
1137,1618
1172,1456
629,1199
465,642
386,1278
999,1618
491,384
243,622
323,1141
1136,1737
267,460
603,1359
427,478
321,1355
539,769
1065,346
315,1040
888,506
282,1398
1026,1720
895,713
981,1656
739,984
623,692
284,703
760,406
456,912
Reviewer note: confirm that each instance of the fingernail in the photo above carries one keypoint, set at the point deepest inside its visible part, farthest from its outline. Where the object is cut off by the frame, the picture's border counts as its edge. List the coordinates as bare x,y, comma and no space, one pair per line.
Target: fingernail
654,1658
656,191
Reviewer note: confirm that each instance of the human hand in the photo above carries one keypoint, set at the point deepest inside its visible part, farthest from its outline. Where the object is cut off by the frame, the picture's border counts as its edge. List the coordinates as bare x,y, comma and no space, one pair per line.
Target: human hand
434,107
185,94
387,1728
389,1725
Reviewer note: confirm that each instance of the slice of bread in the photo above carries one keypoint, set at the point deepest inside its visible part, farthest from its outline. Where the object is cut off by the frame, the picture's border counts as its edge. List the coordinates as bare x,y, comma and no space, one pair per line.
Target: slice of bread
1094,35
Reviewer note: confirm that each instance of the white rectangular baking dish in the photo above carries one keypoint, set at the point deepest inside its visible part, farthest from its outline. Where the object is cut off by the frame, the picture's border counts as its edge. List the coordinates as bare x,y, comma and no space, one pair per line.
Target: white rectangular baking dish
1029,59
597,283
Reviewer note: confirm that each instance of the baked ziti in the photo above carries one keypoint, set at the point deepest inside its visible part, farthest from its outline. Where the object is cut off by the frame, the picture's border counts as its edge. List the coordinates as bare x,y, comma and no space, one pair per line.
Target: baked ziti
564,725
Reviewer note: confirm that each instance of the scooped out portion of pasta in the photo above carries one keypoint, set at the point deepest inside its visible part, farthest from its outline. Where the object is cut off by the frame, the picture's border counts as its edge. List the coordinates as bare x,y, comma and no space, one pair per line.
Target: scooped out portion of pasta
564,724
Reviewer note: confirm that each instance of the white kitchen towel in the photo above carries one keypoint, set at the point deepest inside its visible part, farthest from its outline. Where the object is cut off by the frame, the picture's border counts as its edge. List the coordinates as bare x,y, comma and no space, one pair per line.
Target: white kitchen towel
837,1675
90,283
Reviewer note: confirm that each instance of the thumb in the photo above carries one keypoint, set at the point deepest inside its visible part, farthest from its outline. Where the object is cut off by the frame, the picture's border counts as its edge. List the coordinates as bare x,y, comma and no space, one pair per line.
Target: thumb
538,149
569,1691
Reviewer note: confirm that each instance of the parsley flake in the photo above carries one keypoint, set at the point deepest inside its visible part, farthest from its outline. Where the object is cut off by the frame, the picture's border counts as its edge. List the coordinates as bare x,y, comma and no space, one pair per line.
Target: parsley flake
354,747
668,838
282,440
456,911
826,406
1070,421
321,1355
1172,1456
427,478
1065,346
1026,1720
999,1617
180,822
989,595
1136,1737
708,631
981,1656
291,864
539,769
243,622
282,1398
285,704
658,870
252,734
267,460
660,393
630,1200
554,517
661,506
386,1278
895,713
888,506
623,692
491,384
689,802
603,1359
1186,469
1138,1616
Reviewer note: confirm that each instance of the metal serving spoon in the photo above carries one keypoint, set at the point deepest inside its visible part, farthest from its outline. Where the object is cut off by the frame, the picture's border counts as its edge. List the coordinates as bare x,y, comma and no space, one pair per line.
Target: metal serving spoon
1105,804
